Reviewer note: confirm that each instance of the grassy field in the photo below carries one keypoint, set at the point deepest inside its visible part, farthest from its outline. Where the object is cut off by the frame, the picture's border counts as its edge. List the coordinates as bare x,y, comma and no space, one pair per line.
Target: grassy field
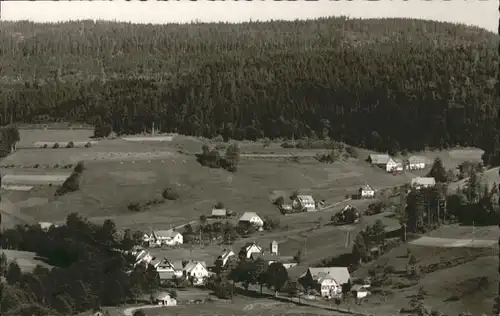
239,307
27,261
30,136
467,282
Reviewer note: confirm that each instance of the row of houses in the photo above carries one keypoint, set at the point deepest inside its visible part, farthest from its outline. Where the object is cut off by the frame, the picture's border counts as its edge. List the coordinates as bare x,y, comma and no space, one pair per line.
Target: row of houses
392,164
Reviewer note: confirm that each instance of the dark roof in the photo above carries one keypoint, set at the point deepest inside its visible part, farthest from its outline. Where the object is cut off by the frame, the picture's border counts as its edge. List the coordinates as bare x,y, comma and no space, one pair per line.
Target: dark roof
169,275
296,272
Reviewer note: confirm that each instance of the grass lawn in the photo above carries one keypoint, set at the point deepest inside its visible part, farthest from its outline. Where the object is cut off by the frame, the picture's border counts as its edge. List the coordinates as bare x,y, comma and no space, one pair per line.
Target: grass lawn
27,261
468,284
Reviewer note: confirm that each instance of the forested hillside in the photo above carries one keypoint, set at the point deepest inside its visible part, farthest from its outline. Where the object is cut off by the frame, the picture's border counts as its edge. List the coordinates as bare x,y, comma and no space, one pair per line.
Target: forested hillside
378,83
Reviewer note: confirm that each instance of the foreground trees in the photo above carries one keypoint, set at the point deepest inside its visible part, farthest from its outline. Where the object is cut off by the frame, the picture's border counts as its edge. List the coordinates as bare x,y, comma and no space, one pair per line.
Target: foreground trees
87,272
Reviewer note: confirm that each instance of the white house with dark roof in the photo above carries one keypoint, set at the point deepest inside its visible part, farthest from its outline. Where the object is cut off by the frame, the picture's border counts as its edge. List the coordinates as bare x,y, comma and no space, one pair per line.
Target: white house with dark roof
143,257
158,238
252,248
306,202
416,163
367,191
423,182
252,218
197,270
328,280
224,256
385,161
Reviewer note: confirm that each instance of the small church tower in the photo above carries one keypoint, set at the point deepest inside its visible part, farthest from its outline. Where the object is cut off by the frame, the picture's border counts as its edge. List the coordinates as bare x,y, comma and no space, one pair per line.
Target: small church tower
274,247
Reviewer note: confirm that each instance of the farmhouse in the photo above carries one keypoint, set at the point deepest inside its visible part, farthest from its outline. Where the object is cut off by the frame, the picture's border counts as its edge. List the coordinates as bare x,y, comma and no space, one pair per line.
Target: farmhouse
45,226
224,257
164,298
287,261
249,249
360,291
219,213
163,237
366,191
415,163
142,257
305,202
385,161
252,218
423,182
197,270
327,281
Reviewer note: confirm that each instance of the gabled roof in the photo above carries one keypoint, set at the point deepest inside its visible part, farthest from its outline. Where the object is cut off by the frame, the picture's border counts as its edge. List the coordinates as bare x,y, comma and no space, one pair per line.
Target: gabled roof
367,187
247,216
175,265
423,181
170,233
226,254
358,287
250,245
219,212
305,198
417,159
379,158
339,274
193,264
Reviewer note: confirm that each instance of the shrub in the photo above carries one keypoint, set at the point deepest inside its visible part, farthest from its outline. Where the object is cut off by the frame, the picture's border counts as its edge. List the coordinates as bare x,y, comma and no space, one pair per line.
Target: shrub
88,145
134,207
36,166
70,145
219,205
351,152
71,184
79,167
170,194
45,146
56,145
287,145
102,131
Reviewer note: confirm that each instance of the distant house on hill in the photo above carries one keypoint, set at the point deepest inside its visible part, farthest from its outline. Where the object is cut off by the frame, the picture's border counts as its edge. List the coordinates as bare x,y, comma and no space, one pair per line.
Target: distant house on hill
224,257
197,270
250,248
219,213
416,163
366,191
158,238
306,202
423,182
386,162
252,218
328,281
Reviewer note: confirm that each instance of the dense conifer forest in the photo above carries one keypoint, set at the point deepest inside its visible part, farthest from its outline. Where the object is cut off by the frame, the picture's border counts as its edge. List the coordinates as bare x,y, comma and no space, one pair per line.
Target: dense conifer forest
380,83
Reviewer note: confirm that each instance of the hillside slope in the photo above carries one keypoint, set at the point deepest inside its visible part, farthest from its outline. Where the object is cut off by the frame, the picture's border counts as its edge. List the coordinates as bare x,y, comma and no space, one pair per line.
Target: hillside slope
384,83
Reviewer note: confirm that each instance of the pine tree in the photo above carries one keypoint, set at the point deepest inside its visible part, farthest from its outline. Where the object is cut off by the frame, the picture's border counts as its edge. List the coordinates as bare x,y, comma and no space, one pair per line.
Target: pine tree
438,172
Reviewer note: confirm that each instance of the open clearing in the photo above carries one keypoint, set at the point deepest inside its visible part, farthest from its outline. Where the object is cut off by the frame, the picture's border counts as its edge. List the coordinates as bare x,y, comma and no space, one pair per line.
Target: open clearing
451,242
240,306
35,179
466,281
27,261
31,136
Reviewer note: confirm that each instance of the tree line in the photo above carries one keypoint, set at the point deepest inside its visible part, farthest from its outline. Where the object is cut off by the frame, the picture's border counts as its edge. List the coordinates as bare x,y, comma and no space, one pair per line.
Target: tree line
89,270
383,84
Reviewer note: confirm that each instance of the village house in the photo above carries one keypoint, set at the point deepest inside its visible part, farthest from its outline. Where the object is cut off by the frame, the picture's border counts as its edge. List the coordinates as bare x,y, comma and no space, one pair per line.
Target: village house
423,182
219,213
385,161
327,281
360,291
249,249
304,202
224,257
164,298
175,267
45,226
197,270
159,238
253,219
366,191
143,257
416,163
273,256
